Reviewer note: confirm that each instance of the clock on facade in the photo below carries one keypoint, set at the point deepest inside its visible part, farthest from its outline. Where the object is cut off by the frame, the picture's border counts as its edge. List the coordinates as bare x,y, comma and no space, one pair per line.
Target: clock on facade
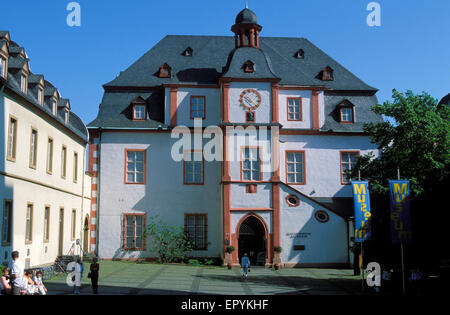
250,99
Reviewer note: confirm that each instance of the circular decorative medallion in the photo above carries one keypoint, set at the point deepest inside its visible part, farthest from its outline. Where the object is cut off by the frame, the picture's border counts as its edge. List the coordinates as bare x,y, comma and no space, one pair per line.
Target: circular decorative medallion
250,99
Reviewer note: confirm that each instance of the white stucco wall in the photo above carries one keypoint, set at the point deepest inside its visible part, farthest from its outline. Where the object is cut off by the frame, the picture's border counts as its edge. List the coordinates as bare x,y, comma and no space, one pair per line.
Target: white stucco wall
164,194
22,185
325,243
322,160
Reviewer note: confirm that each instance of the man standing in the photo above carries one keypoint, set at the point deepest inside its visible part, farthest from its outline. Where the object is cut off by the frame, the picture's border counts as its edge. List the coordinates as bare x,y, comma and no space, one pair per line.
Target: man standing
16,274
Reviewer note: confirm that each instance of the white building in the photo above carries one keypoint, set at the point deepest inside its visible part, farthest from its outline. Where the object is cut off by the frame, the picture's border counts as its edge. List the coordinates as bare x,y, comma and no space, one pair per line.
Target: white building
303,203
45,193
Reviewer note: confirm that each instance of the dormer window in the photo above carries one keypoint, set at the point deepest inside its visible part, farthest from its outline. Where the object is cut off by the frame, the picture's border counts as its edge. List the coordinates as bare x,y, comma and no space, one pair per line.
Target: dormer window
165,71
54,107
3,67
249,67
23,83
139,112
346,112
299,54
346,115
327,74
66,116
40,96
188,52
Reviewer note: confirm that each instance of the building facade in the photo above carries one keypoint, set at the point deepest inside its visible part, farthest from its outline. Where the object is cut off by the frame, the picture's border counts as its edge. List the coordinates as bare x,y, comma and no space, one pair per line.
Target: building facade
45,192
289,123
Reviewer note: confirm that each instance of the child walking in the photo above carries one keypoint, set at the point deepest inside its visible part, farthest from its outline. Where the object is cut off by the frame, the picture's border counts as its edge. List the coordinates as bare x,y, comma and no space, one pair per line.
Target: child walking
245,264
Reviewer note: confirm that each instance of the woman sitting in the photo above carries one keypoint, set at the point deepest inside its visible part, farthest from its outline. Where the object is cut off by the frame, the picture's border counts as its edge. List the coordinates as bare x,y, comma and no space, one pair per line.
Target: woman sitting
5,286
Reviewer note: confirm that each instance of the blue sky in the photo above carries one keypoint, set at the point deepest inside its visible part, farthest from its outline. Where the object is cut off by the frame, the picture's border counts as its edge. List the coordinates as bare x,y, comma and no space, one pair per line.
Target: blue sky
410,50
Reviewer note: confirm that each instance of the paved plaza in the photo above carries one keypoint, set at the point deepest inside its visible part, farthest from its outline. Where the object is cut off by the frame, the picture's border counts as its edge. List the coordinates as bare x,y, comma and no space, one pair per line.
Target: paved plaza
130,278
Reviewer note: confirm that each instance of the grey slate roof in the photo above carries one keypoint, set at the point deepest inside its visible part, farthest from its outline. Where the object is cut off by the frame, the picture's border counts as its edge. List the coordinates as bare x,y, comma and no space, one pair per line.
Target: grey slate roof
211,54
362,112
116,111
216,57
246,16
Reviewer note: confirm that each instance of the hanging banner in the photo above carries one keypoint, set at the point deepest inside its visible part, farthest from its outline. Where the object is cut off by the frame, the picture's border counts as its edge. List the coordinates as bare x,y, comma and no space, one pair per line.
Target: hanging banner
361,200
400,211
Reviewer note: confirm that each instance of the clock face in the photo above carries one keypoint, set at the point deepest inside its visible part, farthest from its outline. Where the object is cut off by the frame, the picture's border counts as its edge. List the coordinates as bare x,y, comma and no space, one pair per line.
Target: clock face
250,99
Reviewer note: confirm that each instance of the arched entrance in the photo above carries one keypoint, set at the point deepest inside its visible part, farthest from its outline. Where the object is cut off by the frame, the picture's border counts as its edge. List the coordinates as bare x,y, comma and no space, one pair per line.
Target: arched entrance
252,240
86,235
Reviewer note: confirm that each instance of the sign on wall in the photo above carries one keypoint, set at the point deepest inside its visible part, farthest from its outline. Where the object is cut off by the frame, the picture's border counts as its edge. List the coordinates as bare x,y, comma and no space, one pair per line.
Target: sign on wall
361,200
400,211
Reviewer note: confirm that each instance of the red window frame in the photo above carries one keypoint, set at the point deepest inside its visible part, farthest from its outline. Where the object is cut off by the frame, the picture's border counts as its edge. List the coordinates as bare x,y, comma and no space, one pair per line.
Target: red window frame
242,164
184,168
204,106
125,181
134,236
300,109
340,159
303,166
205,229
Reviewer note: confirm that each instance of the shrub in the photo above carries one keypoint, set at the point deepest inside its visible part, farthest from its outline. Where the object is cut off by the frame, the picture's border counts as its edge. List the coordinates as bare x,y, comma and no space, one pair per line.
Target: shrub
277,249
171,243
229,249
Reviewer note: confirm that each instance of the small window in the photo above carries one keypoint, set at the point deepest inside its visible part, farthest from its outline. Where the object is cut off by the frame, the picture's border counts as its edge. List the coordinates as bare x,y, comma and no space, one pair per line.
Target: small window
46,224
7,222
348,162
29,224
299,54
40,96
250,116
12,136
165,71
327,74
292,200
66,116
188,52
198,107
196,229
193,168
75,167
133,230
251,165
23,83
63,162
54,107
33,148
135,167
346,114
2,67
322,216
294,109
249,67
139,112
74,224
295,167
50,156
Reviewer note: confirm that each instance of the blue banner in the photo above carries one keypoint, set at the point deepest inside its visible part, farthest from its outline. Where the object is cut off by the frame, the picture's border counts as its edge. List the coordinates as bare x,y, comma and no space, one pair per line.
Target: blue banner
361,201
400,211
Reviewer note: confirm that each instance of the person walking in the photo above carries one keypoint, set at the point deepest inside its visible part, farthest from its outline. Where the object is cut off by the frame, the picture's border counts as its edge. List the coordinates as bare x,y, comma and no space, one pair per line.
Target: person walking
95,267
17,271
245,264
78,269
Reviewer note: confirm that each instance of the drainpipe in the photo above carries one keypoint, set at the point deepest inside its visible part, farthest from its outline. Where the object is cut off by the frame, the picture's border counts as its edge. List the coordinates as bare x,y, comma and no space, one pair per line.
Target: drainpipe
98,189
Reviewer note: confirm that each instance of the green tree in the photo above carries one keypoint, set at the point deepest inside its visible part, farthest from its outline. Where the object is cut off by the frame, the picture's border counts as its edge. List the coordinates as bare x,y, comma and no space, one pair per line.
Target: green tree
171,243
415,140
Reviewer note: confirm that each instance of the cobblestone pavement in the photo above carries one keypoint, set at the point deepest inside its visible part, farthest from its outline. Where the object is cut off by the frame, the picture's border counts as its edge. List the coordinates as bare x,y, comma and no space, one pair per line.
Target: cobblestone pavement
127,278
